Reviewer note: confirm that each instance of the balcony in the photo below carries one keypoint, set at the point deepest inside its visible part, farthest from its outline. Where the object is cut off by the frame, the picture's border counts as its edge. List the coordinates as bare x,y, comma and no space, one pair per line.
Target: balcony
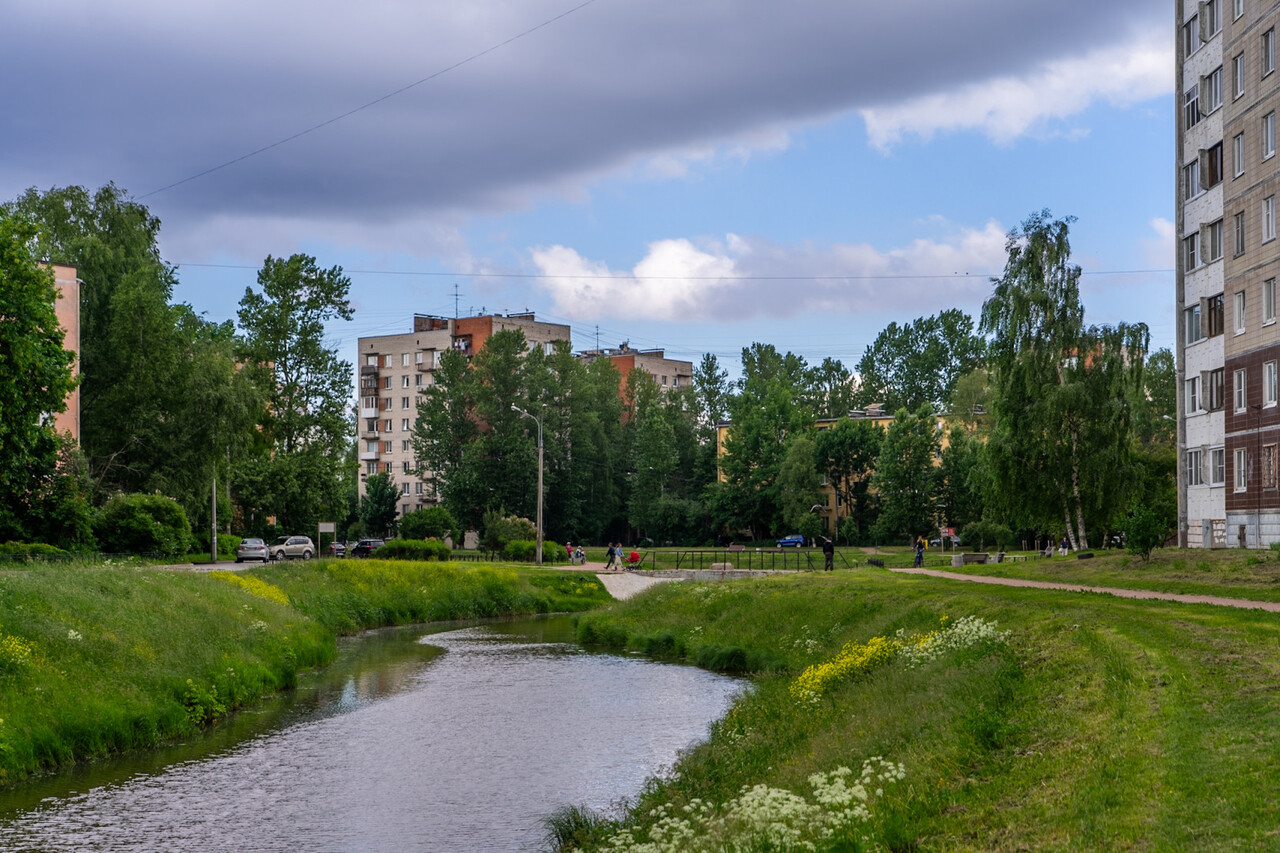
370,412
368,370
368,456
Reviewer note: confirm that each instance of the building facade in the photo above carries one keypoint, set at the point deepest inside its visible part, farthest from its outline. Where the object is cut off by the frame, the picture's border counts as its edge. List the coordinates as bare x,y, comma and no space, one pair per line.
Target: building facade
1228,341
391,373
667,373
68,311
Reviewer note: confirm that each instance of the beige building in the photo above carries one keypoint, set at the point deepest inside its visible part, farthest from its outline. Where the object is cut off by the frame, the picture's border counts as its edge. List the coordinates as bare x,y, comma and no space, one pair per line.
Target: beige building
68,310
391,372
1228,339
667,373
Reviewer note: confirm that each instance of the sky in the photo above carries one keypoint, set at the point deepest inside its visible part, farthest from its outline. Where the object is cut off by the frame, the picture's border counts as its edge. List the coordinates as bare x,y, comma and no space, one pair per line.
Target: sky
695,175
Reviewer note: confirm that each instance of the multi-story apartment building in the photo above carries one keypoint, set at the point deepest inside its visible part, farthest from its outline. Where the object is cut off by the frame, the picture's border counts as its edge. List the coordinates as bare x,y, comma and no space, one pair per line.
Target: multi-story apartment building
391,372
666,372
1228,341
68,311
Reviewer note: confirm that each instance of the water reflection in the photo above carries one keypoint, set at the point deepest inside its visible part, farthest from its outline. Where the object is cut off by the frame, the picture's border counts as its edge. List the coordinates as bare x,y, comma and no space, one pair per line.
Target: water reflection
403,746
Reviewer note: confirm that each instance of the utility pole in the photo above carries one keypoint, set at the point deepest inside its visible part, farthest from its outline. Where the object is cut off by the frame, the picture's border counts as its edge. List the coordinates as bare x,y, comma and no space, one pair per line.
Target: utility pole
537,421
213,520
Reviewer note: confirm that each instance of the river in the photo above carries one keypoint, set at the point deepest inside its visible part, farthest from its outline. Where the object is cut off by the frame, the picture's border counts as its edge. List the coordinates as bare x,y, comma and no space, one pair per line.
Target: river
416,739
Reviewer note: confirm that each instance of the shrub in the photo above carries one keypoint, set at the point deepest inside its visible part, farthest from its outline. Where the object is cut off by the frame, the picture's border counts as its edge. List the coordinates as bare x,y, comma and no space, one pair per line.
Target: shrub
1143,530
978,533
526,551
414,549
433,522
143,524
500,529
29,551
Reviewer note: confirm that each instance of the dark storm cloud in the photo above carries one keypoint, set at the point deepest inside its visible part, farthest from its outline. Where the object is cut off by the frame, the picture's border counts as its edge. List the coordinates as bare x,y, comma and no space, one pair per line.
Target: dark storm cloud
146,93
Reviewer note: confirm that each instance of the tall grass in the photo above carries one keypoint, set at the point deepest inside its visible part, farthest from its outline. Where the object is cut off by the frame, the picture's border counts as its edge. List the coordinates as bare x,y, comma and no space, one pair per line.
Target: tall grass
1099,724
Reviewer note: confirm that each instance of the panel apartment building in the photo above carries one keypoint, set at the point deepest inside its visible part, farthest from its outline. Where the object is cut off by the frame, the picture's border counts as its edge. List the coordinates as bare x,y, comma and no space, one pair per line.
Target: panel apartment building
391,372
666,372
1228,258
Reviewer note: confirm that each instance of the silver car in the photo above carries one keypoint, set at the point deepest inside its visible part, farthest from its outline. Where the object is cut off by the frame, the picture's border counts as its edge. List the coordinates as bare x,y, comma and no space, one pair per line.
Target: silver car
293,547
252,549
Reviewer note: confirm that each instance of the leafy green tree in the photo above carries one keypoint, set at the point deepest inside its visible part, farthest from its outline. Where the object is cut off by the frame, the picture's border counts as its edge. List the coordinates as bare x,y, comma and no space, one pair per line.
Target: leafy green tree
653,453
846,452
960,478
144,524
378,506
433,522
1060,452
905,477
305,384
834,389
1144,530
799,483
446,425
35,375
909,366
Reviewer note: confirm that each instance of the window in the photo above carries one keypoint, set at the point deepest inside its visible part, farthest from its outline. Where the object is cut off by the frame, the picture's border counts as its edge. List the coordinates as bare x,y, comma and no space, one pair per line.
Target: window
1268,51
1237,76
404,359
1268,218
372,361
386,360
371,446
1191,394
1239,312
1191,250
404,490
1213,242
1238,387
1194,473
404,424
371,468
1218,466
404,469
1238,11
386,467
1191,179
417,488
404,381
1242,469
386,425
417,381
386,382
664,380
1215,315
1211,166
386,447
386,404
404,402
1192,317
1238,231
1237,154
1215,393
1211,19
370,426
1269,384
1191,35
1268,466
419,357
1211,86
1269,135
1268,301
1191,107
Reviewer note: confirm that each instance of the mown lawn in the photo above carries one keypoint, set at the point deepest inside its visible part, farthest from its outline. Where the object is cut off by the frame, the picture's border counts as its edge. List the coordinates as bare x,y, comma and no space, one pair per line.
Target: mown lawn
1101,724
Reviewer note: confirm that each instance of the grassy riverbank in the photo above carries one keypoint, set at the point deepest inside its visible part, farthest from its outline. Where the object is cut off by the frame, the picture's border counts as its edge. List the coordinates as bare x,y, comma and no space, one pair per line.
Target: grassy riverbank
96,660
1098,723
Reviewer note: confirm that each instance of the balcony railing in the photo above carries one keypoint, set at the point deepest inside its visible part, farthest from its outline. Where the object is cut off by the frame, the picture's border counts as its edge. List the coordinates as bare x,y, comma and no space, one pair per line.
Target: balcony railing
368,456
370,412
368,370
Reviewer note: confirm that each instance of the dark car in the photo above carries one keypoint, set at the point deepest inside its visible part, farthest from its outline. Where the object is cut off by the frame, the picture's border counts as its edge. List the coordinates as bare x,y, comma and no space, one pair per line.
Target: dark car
365,547
953,541
795,540
338,549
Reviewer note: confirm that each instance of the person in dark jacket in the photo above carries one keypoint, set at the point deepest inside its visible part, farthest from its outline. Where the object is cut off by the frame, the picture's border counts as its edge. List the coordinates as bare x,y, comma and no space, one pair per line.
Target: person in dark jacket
828,554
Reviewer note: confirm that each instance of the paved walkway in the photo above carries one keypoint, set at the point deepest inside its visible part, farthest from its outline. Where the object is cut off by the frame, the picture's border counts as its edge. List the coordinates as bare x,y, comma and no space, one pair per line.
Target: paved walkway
1242,603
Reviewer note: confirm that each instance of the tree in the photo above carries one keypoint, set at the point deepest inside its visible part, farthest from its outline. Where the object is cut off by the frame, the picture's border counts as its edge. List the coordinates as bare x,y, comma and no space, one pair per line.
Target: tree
846,453
834,389
799,483
959,478
378,506
433,522
905,476
305,383
1060,452
909,366
35,375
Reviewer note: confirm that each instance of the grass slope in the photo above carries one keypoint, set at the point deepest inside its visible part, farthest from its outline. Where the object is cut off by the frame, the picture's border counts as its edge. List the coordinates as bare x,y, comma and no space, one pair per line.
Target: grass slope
97,660
1101,724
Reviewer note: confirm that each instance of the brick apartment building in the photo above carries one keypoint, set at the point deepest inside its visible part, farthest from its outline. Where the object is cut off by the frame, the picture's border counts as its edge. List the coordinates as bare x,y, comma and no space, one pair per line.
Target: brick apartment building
1228,343
392,370
667,373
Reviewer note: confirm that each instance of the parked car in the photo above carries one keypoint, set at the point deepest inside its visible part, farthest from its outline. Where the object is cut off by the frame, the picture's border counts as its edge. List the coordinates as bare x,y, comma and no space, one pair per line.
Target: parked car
953,541
365,547
293,547
252,549
337,549
795,540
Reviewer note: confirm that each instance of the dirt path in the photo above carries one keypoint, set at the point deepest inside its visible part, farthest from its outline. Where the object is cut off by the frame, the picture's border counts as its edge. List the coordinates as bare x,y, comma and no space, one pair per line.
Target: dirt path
1242,603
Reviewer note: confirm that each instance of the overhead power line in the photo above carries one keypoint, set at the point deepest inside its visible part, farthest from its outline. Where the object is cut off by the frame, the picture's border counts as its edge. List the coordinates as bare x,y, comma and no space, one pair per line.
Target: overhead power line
628,277
472,58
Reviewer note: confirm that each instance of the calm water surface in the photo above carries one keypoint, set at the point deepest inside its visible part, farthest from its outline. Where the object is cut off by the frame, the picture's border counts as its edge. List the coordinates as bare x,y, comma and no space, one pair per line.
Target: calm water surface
454,741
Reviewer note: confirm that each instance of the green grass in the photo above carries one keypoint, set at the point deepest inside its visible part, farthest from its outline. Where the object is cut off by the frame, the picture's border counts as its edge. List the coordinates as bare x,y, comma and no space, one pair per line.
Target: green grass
101,659
1231,573
1103,724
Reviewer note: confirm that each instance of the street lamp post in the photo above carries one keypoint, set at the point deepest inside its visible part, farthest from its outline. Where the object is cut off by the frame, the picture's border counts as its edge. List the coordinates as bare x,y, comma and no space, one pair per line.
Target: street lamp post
537,421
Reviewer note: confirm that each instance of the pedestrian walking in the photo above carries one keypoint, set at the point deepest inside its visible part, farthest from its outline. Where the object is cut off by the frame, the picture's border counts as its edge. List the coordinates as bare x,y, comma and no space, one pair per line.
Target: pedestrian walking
919,551
608,566
828,554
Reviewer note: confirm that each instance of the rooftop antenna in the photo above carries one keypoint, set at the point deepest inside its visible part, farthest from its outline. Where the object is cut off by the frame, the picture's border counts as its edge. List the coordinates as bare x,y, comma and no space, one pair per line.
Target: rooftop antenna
597,337
455,300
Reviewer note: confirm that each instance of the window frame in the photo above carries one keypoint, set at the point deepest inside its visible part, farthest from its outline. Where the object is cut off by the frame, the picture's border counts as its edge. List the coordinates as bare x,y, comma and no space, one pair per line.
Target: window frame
1268,52
1237,155
1192,318
1191,395
1215,394
1239,229
1268,302
1239,304
1240,390
1193,467
1217,466
1240,476
1237,74
1269,386
1191,106
1191,251
1269,135
1268,219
